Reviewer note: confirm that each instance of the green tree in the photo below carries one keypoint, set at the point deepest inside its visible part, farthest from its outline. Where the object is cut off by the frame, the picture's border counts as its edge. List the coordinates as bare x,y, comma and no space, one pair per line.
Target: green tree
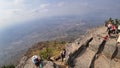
110,19
3,67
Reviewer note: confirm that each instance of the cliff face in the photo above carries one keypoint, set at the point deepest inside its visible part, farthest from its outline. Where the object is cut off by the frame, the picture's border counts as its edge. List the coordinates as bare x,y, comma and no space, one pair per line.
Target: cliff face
93,52
89,51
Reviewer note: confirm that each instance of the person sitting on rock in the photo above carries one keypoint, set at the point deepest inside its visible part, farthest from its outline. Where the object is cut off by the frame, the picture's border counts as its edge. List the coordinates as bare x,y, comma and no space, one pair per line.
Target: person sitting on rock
63,53
35,60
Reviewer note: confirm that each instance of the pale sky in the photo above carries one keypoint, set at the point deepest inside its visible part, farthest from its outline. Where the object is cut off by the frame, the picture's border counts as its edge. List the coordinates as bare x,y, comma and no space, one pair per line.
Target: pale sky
12,11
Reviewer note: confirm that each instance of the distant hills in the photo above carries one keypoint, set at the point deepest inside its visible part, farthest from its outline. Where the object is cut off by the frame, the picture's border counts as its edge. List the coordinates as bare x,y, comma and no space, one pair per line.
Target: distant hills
19,38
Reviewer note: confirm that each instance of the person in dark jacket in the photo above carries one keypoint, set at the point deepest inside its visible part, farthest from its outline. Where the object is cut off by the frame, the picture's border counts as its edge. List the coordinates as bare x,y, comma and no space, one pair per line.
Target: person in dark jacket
63,54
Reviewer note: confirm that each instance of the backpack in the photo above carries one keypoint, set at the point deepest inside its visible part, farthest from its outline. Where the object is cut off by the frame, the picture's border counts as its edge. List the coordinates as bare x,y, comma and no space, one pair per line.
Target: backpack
41,64
119,27
36,60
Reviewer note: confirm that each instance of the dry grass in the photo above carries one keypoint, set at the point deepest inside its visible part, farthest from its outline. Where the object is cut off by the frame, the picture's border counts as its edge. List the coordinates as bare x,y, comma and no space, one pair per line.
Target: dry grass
47,48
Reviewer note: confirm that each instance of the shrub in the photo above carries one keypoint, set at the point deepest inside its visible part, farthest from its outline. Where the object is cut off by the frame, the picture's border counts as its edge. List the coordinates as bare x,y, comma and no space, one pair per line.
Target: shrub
45,53
8,66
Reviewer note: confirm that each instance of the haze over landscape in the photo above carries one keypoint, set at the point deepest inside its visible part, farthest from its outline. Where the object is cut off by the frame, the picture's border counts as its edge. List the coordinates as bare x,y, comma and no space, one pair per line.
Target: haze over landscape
25,22
20,37
12,11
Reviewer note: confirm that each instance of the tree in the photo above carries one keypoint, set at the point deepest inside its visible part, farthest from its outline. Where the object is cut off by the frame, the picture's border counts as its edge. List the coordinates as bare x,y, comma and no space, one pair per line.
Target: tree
110,19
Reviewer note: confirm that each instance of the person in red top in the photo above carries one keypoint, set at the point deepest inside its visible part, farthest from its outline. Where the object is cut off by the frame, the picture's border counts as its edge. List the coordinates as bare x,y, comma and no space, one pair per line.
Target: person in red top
113,29
101,46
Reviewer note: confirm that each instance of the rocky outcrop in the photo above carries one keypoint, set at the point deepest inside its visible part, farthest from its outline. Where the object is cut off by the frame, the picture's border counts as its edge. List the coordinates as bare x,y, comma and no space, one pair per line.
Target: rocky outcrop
93,54
23,62
27,63
89,51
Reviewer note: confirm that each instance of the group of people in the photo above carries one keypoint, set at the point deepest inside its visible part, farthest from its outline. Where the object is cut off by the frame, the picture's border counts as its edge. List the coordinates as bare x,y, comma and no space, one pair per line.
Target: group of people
38,60
113,29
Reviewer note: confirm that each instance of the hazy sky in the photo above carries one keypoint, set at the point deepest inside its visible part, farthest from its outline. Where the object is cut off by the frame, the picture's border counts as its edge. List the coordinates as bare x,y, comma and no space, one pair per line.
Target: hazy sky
12,11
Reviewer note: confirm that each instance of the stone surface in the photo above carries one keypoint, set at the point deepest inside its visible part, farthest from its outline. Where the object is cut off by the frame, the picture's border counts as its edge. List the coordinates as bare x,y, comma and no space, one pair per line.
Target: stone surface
27,63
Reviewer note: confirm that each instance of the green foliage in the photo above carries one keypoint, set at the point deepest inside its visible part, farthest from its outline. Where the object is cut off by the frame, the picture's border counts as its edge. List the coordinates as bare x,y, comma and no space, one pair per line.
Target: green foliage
45,53
8,66
63,42
52,48
110,19
47,49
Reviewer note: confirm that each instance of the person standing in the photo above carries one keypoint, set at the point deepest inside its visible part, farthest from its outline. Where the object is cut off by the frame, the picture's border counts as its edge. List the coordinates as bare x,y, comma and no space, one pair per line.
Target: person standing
109,28
63,54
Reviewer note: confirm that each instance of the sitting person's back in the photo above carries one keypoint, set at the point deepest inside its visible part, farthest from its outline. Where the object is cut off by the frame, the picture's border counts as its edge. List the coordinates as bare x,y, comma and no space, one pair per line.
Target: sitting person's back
35,60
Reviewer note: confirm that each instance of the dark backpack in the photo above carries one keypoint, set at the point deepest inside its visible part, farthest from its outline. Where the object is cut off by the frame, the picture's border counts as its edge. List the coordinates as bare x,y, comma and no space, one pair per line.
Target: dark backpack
36,60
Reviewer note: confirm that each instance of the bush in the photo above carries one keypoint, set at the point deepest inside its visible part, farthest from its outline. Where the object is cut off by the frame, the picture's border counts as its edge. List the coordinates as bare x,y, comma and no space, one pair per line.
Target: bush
8,66
45,53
